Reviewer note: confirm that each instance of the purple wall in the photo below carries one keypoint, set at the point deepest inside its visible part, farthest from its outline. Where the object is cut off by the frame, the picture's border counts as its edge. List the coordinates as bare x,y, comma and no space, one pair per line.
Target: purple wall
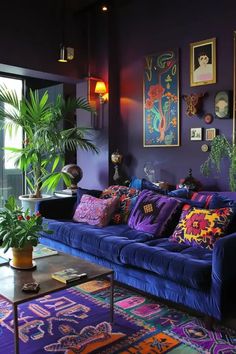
145,28
30,38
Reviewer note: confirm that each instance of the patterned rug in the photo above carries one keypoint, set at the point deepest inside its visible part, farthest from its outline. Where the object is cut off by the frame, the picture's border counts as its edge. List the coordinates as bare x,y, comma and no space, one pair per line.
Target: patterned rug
77,321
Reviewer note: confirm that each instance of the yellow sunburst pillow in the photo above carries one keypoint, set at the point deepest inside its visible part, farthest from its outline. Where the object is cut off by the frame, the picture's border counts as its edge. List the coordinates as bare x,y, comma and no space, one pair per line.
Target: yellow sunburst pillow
202,227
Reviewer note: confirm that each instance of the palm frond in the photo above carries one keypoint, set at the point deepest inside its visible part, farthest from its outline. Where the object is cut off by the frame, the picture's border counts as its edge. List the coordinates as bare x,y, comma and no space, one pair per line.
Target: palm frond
9,97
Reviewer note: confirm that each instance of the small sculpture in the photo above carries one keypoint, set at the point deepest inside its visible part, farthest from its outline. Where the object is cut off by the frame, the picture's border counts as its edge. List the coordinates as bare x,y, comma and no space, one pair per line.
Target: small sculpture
193,103
190,182
116,159
149,171
75,173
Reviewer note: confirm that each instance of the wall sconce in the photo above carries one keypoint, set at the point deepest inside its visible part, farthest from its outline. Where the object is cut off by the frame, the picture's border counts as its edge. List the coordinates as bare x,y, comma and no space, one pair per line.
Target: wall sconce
101,90
66,53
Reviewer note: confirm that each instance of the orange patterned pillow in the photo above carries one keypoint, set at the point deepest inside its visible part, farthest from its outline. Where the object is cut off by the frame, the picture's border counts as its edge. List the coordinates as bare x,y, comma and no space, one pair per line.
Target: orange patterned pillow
202,227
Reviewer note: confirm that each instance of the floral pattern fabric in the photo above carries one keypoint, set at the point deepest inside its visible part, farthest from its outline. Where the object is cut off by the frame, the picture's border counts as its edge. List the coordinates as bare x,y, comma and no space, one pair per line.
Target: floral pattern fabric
202,227
127,199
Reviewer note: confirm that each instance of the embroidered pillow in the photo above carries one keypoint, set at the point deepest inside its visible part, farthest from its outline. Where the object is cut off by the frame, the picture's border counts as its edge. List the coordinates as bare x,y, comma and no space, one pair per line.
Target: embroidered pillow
93,192
95,211
127,199
154,213
202,227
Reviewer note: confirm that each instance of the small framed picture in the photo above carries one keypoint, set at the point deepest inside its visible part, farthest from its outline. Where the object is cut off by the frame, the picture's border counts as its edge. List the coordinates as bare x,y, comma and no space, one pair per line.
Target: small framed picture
203,62
196,134
210,134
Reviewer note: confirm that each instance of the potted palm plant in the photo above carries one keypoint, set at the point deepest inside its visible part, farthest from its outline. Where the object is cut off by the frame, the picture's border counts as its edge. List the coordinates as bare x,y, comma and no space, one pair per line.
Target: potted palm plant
43,148
19,230
220,149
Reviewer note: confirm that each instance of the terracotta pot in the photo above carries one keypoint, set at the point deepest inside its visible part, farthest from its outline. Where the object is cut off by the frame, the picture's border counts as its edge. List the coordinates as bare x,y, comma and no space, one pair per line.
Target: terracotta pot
22,257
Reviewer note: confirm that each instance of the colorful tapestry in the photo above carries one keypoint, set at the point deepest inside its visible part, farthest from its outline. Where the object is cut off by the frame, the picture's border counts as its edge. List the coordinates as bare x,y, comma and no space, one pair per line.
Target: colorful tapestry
161,100
77,321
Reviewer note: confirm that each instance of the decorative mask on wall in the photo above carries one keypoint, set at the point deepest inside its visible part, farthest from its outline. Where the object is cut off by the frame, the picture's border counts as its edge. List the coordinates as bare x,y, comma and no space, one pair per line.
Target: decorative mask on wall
193,103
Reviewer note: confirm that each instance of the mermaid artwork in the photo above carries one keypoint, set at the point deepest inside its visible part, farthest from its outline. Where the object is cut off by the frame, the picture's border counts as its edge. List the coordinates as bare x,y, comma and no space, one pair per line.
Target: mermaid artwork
161,101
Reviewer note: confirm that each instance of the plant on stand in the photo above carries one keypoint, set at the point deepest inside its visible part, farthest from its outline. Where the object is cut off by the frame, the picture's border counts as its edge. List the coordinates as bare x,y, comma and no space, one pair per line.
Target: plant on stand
221,148
20,231
45,141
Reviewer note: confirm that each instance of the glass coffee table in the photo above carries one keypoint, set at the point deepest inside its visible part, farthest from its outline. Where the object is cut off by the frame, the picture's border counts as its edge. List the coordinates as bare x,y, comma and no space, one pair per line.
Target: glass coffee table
12,280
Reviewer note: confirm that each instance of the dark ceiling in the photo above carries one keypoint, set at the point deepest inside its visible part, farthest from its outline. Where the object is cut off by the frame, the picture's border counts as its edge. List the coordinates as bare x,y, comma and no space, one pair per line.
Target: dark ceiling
81,5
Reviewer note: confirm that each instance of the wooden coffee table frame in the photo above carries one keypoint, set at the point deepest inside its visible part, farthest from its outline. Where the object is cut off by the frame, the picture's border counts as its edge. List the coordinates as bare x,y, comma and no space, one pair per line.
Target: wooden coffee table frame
12,280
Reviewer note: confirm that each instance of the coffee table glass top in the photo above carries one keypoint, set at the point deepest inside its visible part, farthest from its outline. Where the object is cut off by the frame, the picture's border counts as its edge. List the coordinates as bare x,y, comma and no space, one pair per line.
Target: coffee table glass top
12,280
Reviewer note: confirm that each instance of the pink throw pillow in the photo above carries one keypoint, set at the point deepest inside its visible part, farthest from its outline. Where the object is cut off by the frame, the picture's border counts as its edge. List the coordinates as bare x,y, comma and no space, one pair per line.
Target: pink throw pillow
95,211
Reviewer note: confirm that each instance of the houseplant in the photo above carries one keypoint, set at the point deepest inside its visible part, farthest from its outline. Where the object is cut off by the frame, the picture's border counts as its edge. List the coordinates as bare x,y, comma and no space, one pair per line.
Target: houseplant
46,141
220,149
20,231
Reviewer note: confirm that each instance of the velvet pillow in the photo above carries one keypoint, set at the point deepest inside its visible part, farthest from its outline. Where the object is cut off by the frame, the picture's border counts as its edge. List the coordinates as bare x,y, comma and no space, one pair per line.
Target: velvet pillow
136,183
154,213
180,193
219,201
127,199
204,198
95,211
202,227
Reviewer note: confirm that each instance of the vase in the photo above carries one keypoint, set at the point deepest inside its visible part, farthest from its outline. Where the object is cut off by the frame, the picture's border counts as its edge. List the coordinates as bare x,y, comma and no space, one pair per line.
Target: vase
22,258
29,203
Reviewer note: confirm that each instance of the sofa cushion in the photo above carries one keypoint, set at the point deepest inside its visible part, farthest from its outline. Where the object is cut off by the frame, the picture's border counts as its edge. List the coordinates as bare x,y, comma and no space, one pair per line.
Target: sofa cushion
81,191
202,227
222,201
204,198
153,213
180,193
180,263
143,183
127,198
95,211
105,242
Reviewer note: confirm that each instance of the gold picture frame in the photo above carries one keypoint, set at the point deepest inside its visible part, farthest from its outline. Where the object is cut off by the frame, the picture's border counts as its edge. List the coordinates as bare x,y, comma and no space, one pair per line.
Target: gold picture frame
203,62
210,134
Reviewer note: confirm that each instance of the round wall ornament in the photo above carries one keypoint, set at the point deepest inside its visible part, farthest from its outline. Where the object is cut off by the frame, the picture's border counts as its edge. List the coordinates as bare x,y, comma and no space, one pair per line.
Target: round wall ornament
204,147
208,118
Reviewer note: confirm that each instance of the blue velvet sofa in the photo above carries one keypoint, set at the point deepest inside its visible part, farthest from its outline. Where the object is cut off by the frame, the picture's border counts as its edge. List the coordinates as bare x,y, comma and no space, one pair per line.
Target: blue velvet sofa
198,278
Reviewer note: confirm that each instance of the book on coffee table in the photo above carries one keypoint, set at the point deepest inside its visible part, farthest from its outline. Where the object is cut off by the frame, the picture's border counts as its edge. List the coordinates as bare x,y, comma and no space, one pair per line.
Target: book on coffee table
68,275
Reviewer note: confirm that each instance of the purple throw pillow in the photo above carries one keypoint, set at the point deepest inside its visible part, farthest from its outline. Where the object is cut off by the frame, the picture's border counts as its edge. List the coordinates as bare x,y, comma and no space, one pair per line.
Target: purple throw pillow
154,213
95,211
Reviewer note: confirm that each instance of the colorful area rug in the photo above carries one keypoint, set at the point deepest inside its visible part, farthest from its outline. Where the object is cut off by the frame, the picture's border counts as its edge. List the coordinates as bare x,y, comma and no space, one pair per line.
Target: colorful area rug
77,321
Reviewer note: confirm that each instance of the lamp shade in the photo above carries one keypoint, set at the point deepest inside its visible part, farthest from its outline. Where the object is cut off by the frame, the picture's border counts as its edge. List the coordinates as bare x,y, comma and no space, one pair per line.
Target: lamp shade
100,87
62,58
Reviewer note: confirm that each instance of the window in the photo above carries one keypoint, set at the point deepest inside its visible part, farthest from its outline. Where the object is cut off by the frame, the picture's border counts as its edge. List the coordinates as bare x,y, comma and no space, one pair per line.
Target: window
11,179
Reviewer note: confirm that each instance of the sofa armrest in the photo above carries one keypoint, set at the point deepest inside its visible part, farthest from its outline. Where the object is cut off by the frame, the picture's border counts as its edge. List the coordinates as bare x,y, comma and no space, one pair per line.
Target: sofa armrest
224,271
57,208
224,255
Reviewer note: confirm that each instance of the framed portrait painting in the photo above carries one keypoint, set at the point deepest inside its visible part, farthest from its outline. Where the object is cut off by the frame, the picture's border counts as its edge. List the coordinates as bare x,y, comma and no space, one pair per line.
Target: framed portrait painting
203,62
161,100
